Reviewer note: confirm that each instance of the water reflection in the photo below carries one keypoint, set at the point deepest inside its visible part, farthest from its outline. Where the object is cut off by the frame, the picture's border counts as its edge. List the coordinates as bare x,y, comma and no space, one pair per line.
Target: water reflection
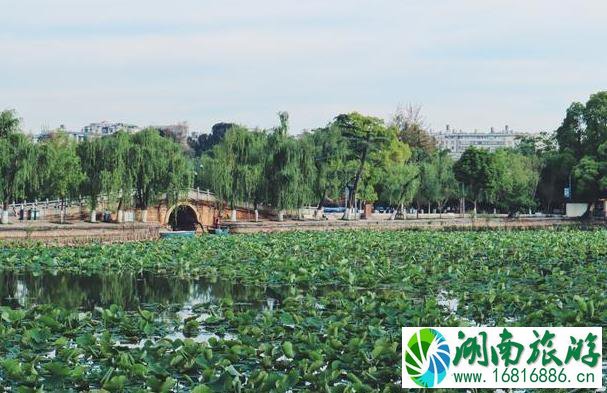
128,290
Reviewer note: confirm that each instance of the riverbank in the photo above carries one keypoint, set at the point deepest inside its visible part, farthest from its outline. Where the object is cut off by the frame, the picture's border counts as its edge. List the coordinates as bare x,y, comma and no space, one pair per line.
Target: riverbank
386,224
74,233
80,232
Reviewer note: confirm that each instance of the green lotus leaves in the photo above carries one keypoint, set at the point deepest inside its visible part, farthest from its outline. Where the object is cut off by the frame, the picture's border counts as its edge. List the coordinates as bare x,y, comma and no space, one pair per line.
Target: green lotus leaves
339,301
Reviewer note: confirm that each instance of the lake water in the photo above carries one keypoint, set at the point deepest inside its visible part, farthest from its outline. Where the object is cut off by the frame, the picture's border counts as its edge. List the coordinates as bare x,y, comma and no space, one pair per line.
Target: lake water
127,290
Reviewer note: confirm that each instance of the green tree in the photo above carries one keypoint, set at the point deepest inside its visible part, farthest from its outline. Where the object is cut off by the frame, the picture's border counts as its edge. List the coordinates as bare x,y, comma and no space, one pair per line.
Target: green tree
584,127
233,168
118,178
287,185
439,179
536,144
571,134
591,176
366,134
390,163
179,173
556,173
94,164
474,171
17,169
330,156
595,118
307,171
205,142
554,166
401,182
412,129
384,155
583,134
158,166
63,174
424,190
9,123
514,181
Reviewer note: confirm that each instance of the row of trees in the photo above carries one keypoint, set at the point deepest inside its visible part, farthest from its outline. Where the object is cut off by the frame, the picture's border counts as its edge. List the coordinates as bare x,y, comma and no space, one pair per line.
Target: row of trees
131,169
278,170
572,161
505,179
396,164
569,165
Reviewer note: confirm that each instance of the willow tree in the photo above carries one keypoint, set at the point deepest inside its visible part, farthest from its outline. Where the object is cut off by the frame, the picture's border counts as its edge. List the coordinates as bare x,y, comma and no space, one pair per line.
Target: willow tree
213,175
398,179
307,172
63,174
401,182
438,179
365,134
118,176
158,166
287,185
233,168
179,173
148,166
9,123
94,164
330,150
17,169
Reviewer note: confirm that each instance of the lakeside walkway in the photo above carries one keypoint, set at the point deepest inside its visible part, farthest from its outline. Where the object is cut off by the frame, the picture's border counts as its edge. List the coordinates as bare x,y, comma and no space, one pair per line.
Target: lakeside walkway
77,232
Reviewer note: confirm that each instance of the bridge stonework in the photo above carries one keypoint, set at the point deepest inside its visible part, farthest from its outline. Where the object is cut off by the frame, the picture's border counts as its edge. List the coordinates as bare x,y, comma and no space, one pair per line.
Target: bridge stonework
206,210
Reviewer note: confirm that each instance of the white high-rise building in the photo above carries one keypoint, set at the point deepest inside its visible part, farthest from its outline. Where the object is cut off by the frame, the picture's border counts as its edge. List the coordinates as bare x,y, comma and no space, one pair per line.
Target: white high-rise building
458,141
107,128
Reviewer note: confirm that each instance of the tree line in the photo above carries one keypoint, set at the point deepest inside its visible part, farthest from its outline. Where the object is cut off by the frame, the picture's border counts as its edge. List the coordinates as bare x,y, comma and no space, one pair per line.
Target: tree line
360,158
353,159
398,164
131,170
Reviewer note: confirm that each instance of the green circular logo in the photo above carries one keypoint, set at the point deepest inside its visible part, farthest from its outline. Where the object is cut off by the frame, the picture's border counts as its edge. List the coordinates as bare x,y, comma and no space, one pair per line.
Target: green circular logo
427,357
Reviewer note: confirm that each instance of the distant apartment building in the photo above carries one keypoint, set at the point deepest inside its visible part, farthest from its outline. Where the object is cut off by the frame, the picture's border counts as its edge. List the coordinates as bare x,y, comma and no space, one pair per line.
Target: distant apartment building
178,132
93,130
46,134
107,128
458,141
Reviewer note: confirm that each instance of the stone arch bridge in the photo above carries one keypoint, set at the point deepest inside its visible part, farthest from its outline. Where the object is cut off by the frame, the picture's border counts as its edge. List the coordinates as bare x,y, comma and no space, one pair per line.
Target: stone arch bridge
195,210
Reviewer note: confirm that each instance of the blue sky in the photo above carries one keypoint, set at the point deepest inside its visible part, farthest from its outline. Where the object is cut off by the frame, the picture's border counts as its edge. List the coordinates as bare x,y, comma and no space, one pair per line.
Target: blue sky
471,64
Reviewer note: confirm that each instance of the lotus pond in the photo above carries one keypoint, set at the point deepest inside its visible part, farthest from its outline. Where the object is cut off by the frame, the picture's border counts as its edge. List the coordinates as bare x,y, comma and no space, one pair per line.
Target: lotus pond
277,312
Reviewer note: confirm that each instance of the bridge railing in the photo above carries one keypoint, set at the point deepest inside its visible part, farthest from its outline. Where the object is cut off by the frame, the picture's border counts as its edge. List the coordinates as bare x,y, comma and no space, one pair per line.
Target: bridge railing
198,194
44,208
201,195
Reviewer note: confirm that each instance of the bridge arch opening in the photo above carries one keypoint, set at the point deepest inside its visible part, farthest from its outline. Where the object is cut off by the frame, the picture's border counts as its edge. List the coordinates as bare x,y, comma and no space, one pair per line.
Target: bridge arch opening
183,218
